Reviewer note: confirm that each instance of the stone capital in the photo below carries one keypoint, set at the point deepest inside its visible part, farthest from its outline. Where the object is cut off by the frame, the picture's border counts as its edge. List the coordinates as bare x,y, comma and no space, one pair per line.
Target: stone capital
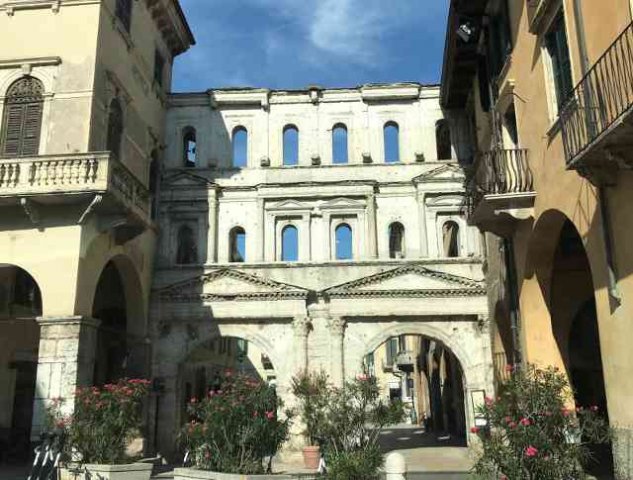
70,320
301,326
336,325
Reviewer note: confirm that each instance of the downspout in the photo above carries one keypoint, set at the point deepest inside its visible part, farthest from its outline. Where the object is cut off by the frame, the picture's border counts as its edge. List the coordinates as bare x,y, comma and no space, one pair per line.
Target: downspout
607,233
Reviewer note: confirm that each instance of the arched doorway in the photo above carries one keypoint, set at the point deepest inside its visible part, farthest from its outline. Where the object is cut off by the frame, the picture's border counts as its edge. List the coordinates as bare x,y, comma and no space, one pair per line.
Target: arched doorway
121,347
428,379
206,366
575,327
20,305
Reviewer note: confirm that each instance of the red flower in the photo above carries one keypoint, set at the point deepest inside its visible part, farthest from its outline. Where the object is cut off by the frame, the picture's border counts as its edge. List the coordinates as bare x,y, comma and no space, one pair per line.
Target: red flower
525,422
270,415
489,401
530,451
474,430
512,424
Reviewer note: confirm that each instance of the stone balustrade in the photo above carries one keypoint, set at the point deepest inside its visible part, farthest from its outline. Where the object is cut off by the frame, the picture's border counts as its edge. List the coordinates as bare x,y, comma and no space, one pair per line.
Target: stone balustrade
91,173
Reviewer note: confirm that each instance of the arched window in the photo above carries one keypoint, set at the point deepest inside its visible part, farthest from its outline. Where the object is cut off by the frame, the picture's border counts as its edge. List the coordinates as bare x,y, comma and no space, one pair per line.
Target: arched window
339,144
189,147
343,239
22,119
237,245
187,252
291,145
115,128
240,147
290,244
396,240
124,13
450,239
392,142
443,140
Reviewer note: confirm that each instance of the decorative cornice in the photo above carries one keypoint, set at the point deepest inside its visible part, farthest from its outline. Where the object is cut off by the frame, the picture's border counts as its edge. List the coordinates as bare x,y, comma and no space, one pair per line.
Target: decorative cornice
30,62
430,293
172,24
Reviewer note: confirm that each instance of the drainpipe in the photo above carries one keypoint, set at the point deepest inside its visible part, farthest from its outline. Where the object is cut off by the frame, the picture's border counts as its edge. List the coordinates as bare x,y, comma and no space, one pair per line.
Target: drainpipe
607,233
515,314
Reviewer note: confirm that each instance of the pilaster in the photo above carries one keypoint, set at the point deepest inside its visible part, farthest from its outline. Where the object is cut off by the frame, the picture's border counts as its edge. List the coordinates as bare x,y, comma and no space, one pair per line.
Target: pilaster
66,361
301,327
336,326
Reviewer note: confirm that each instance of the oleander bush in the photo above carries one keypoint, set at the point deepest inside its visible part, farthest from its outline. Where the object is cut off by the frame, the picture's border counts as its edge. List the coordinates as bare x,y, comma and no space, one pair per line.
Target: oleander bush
532,434
234,428
104,421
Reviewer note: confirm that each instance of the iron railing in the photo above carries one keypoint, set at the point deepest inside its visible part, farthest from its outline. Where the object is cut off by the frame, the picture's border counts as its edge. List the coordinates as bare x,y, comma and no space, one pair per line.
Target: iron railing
499,172
603,96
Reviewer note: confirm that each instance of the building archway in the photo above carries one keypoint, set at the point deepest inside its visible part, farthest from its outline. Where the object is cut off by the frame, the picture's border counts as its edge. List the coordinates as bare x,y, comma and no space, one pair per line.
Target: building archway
118,305
20,305
426,376
575,328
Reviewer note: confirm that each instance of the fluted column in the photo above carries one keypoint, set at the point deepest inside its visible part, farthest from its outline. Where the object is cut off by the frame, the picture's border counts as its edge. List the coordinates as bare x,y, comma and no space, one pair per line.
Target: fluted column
336,326
301,327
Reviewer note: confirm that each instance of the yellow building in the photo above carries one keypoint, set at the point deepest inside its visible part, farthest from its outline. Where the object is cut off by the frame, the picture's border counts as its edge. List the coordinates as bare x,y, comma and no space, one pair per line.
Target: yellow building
547,86
82,106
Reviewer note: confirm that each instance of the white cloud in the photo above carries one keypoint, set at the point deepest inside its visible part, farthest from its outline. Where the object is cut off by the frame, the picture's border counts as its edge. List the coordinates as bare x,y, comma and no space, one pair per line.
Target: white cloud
346,29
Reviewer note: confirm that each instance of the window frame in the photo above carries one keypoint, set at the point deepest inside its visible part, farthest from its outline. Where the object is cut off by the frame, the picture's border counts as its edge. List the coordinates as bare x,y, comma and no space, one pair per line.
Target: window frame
352,249
391,124
233,236
236,130
195,246
393,254
287,128
30,105
116,130
284,228
185,132
340,127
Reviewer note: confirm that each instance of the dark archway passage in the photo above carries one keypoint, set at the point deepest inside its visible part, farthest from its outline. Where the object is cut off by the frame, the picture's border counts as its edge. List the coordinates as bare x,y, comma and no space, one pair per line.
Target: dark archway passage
427,377
575,327
20,305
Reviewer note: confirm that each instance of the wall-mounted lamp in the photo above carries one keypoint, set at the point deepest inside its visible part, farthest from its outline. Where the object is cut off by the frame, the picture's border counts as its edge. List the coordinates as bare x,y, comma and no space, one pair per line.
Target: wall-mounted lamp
466,32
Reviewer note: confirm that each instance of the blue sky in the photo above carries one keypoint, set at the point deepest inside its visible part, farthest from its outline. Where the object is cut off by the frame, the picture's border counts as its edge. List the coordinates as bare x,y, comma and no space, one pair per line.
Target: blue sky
295,43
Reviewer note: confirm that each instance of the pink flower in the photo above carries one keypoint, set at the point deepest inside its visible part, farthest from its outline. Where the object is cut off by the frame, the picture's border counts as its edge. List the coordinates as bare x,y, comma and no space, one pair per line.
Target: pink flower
489,401
508,419
474,430
362,377
270,415
548,413
193,400
525,422
565,412
509,368
594,408
530,451
512,424
228,373
255,414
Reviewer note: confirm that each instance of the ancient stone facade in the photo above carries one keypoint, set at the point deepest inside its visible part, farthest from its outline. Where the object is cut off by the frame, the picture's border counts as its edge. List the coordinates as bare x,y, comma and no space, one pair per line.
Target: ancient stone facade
318,308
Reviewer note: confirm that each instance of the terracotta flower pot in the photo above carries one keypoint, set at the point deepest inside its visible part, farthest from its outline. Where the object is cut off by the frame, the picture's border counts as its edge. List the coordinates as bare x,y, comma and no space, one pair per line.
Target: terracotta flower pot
311,457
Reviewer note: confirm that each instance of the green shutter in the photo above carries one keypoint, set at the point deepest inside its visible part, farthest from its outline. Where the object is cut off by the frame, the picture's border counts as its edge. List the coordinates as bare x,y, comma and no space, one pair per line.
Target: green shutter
31,129
12,128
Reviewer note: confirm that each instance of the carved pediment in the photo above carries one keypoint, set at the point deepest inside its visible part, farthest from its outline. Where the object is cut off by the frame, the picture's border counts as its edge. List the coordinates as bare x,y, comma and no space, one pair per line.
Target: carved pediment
186,180
342,203
289,205
229,284
451,172
409,281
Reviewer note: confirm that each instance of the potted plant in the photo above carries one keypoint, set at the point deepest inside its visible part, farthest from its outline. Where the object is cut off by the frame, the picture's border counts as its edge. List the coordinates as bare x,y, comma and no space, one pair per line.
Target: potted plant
311,389
236,429
104,422
532,433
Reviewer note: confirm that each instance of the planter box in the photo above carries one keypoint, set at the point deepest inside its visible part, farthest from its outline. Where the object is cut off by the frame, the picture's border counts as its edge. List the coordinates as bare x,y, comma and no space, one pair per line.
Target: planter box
133,471
193,474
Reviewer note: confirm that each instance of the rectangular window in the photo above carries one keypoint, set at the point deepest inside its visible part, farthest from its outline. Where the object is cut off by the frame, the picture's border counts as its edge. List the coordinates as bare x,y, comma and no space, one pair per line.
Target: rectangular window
159,68
392,350
499,39
558,50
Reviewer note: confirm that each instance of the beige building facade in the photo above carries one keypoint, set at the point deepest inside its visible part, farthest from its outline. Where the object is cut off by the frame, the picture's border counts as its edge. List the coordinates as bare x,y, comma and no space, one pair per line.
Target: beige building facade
547,88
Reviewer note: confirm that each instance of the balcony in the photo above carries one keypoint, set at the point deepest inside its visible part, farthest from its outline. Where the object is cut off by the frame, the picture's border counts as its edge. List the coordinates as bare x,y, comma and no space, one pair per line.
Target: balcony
95,181
596,121
500,190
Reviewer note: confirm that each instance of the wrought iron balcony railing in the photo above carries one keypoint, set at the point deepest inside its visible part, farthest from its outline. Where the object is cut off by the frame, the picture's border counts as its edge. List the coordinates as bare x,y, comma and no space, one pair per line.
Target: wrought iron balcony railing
602,97
69,176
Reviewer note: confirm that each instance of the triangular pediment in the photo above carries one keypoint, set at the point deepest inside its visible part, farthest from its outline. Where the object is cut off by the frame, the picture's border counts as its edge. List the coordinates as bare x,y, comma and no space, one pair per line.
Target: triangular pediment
410,280
342,203
230,284
450,172
186,180
289,205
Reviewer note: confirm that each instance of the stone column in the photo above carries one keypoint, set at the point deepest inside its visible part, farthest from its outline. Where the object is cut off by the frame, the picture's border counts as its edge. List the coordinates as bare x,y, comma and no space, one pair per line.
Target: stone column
424,241
301,327
66,361
212,240
336,325
260,243
372,234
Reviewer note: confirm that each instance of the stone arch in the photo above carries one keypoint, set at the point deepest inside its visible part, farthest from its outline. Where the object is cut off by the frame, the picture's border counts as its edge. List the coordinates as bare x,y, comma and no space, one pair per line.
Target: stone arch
424,330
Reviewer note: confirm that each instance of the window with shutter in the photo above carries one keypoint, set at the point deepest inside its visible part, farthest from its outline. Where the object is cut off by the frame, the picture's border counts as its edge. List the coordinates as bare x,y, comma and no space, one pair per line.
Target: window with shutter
556,44
22,119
